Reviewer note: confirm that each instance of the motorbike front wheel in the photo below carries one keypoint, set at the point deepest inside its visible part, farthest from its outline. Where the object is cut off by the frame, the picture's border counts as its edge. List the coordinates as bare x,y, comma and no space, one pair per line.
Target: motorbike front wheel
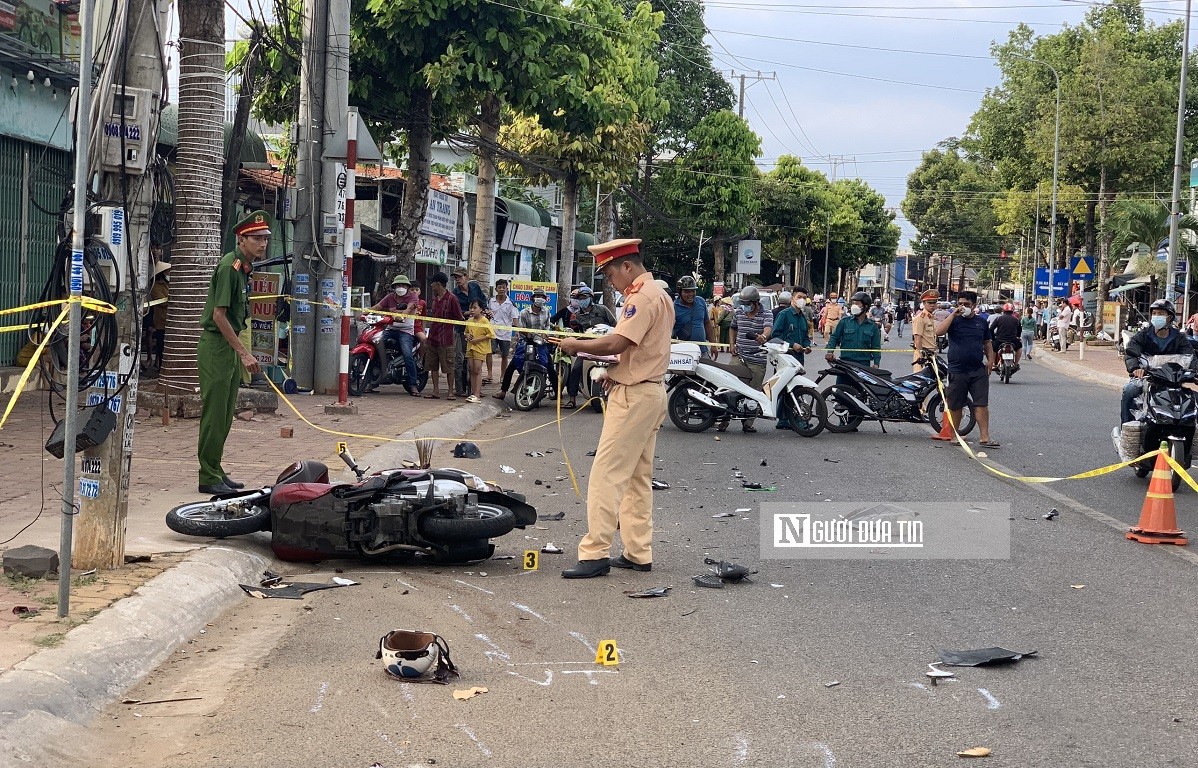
362,371
935,411
529,392
800,401
837,416
597,397
688,414
221,518
493,521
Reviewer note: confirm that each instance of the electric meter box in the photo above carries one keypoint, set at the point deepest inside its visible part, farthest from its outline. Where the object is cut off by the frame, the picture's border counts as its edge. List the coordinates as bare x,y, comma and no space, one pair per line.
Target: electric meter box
108,223
127,114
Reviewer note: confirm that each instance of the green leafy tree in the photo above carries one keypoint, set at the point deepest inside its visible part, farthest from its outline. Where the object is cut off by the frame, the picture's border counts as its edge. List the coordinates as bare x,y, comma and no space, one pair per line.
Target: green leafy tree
714,182
1141,227
948,201
869,234
796,202
591,127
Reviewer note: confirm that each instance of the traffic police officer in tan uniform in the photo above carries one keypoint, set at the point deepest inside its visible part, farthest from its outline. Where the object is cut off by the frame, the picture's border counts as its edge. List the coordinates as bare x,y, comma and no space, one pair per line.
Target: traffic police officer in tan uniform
620,490
220,349
923,327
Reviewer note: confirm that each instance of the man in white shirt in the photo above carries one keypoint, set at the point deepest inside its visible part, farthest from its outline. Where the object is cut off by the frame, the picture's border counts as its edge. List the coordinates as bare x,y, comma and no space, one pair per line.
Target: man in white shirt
1064,319
502,313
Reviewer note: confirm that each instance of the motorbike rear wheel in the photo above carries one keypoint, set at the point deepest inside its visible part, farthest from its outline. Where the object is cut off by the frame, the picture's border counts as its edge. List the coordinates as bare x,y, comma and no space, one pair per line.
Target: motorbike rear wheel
935,411
799,400
688,414
218,519
837,417
529,391
1005,374
494,521
362,371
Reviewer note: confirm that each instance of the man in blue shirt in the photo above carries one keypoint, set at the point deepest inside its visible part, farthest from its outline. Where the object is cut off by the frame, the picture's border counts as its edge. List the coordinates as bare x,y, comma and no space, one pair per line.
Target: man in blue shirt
970,362
692,321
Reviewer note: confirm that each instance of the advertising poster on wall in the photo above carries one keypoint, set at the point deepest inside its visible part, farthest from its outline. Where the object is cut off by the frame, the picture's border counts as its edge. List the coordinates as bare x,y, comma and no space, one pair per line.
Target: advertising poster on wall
521,294
264,344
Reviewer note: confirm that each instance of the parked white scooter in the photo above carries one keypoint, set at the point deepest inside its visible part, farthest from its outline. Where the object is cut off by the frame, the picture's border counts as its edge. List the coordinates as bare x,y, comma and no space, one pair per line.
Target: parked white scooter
702,391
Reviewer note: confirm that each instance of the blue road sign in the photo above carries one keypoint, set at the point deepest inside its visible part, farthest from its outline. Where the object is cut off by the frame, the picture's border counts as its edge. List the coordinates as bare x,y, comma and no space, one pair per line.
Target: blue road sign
1083,267
1060,282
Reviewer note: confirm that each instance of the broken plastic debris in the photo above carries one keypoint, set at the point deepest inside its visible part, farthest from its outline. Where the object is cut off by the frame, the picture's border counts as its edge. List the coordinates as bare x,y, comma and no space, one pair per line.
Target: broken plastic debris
504,557
288,591
937,674
974,752
724,514
980,656
758,487
742,510
660,485
505,469
1050,514
832,684
763,463
554,516
270,578
24,610
1077,586
551,549
832,461
709,580
651,592
343,582
726,570
534,454
590,453
777,586
469,694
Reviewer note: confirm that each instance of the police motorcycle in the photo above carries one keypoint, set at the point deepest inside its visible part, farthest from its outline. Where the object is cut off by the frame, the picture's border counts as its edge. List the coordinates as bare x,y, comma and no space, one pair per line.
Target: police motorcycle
871,394
1165,411
377,359
702,391
446,515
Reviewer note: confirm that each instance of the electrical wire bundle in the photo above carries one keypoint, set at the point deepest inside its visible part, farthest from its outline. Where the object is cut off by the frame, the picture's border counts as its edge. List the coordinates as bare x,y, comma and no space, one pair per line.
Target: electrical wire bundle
100,339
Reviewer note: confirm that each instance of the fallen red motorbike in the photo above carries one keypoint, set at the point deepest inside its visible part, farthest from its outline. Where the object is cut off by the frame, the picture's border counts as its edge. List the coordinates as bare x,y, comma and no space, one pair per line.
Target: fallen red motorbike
445,515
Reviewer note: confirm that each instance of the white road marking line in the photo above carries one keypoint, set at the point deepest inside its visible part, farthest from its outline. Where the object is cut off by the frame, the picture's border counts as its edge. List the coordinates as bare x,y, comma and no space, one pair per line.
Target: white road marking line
458,610
829,758
544,683
991,702
742,750
496,651
406,693
406,584
319,705
469,732
583,639
529,611
472,586
590,673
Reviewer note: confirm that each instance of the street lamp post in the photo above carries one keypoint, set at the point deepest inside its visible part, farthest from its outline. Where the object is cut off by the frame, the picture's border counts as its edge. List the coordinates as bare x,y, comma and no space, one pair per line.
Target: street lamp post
1175,212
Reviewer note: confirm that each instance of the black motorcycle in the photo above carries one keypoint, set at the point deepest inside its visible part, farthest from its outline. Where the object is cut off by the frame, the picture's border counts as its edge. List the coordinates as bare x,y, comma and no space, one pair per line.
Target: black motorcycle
532,386
871,394
1166,411
446,515
1006,362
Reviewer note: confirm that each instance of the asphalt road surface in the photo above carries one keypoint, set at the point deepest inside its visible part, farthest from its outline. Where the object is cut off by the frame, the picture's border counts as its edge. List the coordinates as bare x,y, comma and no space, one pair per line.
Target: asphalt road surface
742,675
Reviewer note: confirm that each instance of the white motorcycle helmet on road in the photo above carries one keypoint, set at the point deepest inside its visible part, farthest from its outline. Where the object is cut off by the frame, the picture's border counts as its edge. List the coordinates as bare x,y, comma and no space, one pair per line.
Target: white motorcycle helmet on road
411,656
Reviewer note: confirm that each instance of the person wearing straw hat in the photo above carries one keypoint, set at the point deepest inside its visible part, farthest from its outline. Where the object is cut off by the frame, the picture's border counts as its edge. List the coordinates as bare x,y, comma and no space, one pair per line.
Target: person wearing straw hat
220,353
620,490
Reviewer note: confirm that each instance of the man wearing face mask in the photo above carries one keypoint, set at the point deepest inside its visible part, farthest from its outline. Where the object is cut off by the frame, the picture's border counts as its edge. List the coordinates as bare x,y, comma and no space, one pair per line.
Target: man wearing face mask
401,331
750,329
1159,338
970,362
859,338
586,316
794,327
534,318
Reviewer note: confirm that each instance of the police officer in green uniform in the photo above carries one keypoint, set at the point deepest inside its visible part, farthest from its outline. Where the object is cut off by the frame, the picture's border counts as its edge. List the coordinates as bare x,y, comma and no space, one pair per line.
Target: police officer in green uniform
220,353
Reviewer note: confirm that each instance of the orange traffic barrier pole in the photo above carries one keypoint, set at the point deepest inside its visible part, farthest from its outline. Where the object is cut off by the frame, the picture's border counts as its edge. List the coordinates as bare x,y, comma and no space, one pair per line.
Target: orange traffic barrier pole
946,428
1158,518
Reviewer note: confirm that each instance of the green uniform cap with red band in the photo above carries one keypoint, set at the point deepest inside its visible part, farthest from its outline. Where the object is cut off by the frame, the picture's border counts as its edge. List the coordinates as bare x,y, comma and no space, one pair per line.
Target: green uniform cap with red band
256,223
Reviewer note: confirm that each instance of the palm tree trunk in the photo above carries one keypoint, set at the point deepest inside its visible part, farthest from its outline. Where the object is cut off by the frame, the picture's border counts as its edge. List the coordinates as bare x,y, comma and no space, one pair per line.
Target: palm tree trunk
482,245
415,195
198,186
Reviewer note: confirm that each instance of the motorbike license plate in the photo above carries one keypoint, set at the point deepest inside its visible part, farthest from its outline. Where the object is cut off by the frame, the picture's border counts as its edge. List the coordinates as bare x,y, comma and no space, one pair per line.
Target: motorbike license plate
1008,356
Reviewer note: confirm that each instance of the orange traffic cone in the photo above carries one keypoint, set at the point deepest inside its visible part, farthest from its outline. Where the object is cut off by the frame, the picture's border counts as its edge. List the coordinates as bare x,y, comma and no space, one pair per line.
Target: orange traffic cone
1158,518
946,429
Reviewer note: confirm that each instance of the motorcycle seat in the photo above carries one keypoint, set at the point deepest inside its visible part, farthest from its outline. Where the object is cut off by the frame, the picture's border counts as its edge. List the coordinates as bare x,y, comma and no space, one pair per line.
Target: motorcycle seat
738,369
874,371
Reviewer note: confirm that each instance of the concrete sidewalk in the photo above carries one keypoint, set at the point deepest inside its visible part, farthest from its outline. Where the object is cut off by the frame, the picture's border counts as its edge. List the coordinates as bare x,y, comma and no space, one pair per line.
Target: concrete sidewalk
100,659
1100,365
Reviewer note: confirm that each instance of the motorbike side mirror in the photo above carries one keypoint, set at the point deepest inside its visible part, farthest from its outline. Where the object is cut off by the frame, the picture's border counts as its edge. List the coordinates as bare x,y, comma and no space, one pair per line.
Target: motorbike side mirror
348,458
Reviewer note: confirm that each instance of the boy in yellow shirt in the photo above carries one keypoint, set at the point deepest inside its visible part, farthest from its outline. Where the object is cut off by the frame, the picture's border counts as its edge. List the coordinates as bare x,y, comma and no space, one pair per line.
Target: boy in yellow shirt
479,334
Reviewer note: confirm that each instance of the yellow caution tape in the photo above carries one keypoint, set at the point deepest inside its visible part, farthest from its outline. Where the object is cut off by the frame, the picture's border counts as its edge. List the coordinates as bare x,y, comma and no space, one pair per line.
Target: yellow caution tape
12,401
1180,470
1035,479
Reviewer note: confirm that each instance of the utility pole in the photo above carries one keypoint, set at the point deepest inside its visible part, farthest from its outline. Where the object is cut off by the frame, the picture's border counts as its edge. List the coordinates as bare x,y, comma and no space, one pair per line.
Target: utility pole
309,134
836,162
757,78
136,73
333,196
1171,272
